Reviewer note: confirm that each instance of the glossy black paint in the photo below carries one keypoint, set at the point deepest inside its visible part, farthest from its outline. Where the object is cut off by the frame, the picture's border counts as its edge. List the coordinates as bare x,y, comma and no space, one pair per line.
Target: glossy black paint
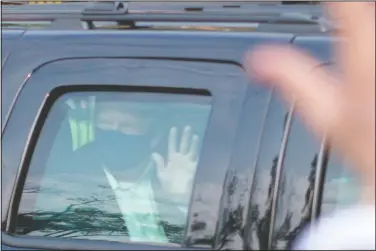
300,169
296,186
231,228
295,191
264,181
170,45
8,41
228,94
238,216
39,47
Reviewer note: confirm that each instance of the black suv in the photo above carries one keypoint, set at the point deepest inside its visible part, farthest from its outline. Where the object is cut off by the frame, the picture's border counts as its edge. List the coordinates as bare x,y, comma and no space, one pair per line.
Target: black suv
132,125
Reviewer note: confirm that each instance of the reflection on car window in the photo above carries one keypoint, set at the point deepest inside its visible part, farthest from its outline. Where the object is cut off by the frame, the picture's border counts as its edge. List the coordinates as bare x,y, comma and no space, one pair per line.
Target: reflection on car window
341,186
265,176
114,166
296,188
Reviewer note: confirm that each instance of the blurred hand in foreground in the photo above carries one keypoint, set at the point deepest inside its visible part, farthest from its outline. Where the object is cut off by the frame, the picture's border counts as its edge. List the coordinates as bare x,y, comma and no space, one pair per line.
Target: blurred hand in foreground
339,106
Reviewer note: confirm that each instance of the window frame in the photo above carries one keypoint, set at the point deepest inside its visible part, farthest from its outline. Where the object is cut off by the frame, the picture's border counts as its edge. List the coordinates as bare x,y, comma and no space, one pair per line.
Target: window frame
220,98
326,153
270,112
42,118
321,165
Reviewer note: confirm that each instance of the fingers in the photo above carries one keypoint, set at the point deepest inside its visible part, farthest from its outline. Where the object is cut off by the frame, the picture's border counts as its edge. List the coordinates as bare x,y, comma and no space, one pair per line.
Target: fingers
193,150
187,146
269,63
292,73
172,142
159,161
349,15
184,143
357,27
354,18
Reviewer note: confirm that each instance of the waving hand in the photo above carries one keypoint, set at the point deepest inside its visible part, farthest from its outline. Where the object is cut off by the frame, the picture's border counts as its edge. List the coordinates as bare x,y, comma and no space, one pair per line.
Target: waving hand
176,172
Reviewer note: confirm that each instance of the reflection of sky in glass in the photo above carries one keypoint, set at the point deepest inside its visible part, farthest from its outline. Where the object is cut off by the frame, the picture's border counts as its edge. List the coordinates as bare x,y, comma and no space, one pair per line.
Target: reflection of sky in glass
300,153
341,187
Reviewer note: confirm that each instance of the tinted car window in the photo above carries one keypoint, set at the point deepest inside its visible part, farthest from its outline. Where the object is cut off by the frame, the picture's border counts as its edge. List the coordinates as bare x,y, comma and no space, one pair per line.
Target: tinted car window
263,183
114,166
296,187
341,186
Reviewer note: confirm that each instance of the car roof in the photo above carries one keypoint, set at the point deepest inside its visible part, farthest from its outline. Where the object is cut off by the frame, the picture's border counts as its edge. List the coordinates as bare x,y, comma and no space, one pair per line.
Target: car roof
201,15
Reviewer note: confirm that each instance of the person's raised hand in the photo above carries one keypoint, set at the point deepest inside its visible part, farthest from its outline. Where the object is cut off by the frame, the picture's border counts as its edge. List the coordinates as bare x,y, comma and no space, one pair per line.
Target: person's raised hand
177,171
341,105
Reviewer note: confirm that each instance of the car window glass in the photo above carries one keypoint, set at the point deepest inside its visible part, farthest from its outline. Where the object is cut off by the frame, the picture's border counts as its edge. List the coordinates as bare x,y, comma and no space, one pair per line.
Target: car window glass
114,166
296,187
263,183
341,186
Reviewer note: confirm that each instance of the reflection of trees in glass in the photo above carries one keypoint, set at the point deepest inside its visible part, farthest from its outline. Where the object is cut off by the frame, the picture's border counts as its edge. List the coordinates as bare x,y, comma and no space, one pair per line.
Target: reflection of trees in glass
261,224
232,217
84,219
77,220
287,233
198,226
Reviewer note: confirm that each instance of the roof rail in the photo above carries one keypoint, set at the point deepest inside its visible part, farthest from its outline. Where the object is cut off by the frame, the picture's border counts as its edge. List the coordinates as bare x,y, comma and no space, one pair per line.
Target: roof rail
107,8
119,11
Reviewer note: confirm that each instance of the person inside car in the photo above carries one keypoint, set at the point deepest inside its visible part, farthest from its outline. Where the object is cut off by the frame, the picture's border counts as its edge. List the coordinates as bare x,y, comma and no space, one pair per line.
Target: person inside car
151,180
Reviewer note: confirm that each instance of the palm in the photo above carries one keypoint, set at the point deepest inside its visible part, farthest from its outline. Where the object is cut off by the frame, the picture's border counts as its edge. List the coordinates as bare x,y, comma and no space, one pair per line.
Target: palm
176,172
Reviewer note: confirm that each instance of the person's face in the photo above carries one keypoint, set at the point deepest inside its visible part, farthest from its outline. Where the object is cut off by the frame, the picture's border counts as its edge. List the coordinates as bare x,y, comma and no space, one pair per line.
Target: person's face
129,147
118,116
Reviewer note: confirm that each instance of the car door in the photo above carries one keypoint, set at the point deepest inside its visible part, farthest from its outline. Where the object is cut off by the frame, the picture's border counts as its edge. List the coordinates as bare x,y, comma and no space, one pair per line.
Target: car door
287,187
302,158
55,204
337,186
311,180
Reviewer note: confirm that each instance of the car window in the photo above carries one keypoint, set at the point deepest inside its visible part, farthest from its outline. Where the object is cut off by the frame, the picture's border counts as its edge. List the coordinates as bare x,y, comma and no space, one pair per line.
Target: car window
296,187
114,166
341,186
263,183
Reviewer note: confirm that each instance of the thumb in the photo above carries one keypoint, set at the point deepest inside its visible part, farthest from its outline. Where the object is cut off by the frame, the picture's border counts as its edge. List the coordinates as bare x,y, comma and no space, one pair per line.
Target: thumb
159,161
293,73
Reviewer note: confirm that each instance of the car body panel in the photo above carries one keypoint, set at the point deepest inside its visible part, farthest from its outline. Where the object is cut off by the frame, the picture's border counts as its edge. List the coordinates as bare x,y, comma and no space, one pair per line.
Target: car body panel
298,178
39,47
48,58
9,39
319,47
248,143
